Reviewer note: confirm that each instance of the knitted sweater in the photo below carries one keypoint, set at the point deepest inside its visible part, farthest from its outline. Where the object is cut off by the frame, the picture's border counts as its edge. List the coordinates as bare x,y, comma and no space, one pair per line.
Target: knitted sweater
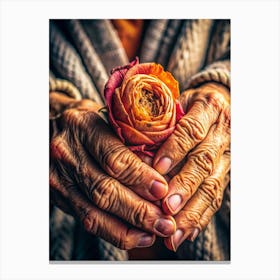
83,52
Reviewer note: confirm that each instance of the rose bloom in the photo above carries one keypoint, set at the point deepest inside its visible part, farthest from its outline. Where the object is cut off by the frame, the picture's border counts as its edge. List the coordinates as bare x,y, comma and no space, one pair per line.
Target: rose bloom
142,105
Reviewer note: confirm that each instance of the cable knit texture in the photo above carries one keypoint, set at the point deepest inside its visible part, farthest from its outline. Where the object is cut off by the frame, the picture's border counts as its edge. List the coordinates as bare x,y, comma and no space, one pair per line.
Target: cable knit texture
190,50
107,44
84,52
68,65
65,87
88,54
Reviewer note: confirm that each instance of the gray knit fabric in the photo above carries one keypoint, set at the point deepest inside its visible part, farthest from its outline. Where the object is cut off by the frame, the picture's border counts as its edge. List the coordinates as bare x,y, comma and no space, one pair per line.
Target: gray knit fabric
67,63
195,52
152,41
88,54
168,41
106,43
62,230
217,72
189,52
219,46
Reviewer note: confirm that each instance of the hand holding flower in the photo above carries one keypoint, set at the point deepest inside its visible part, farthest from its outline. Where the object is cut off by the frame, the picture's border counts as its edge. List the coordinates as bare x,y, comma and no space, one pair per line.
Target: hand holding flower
143,110
199,149
143,106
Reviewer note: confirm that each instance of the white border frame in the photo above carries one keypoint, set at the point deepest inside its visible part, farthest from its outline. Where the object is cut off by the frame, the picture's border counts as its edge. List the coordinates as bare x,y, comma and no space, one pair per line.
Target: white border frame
24,252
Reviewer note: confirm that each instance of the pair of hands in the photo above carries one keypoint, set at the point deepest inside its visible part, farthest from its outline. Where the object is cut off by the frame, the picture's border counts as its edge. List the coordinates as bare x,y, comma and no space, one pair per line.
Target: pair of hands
128,201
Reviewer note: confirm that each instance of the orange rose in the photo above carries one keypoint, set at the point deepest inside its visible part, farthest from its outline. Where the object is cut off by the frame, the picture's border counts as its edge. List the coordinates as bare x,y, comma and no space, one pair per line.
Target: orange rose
142,105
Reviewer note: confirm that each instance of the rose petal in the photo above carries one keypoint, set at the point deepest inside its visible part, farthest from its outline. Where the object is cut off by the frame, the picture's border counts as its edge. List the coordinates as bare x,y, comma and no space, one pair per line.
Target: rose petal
116,79
149,126
114,82
179,111
134,136
142,127
119,110
156,70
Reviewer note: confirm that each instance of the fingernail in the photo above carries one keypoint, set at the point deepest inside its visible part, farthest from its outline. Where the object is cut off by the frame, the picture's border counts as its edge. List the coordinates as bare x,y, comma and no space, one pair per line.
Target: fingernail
193,235
177,239
174,201
158,189
163,165
164,226
145,240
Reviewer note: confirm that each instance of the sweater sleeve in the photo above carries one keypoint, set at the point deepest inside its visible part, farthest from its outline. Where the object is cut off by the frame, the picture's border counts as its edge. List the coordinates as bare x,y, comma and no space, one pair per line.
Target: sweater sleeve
217,62
218,72
190,50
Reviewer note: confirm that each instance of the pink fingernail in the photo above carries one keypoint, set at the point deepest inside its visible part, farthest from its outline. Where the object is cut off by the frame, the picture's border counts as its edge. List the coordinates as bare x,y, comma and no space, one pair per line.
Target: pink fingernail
174,201
193,235
145,240
177,238
158,189
163,165
164,227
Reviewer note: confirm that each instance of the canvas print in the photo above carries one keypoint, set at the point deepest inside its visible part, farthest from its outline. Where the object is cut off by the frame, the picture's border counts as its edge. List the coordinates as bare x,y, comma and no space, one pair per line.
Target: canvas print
139,123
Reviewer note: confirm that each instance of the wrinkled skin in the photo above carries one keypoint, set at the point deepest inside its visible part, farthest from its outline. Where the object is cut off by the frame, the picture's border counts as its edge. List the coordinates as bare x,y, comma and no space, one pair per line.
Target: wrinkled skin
197,158
94,177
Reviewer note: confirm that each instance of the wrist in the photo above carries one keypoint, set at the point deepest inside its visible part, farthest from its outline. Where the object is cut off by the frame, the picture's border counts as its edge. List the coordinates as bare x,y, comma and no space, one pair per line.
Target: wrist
217,87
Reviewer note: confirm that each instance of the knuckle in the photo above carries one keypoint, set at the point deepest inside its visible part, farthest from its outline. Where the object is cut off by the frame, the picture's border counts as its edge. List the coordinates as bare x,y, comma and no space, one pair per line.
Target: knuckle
90,222
188,219
211,190
81,119
59,150
205,220
122,164
89,118
204,160
216,204
124,240
192,218
72,116
140,214
109,157
102,193
214,99
185,181
191,128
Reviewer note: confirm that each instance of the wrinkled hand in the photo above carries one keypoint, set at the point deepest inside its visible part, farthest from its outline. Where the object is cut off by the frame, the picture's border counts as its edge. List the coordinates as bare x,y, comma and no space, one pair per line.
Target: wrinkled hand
198,152
94,177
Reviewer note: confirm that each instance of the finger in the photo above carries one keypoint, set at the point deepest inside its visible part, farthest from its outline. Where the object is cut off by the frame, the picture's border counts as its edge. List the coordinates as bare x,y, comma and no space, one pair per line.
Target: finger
197,213
190,130
117,160
201,163
58,194
95,220
106,226
108,194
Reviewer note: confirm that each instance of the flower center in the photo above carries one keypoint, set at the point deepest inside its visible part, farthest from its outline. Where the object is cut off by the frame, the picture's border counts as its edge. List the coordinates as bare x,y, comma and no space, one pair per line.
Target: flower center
150,102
